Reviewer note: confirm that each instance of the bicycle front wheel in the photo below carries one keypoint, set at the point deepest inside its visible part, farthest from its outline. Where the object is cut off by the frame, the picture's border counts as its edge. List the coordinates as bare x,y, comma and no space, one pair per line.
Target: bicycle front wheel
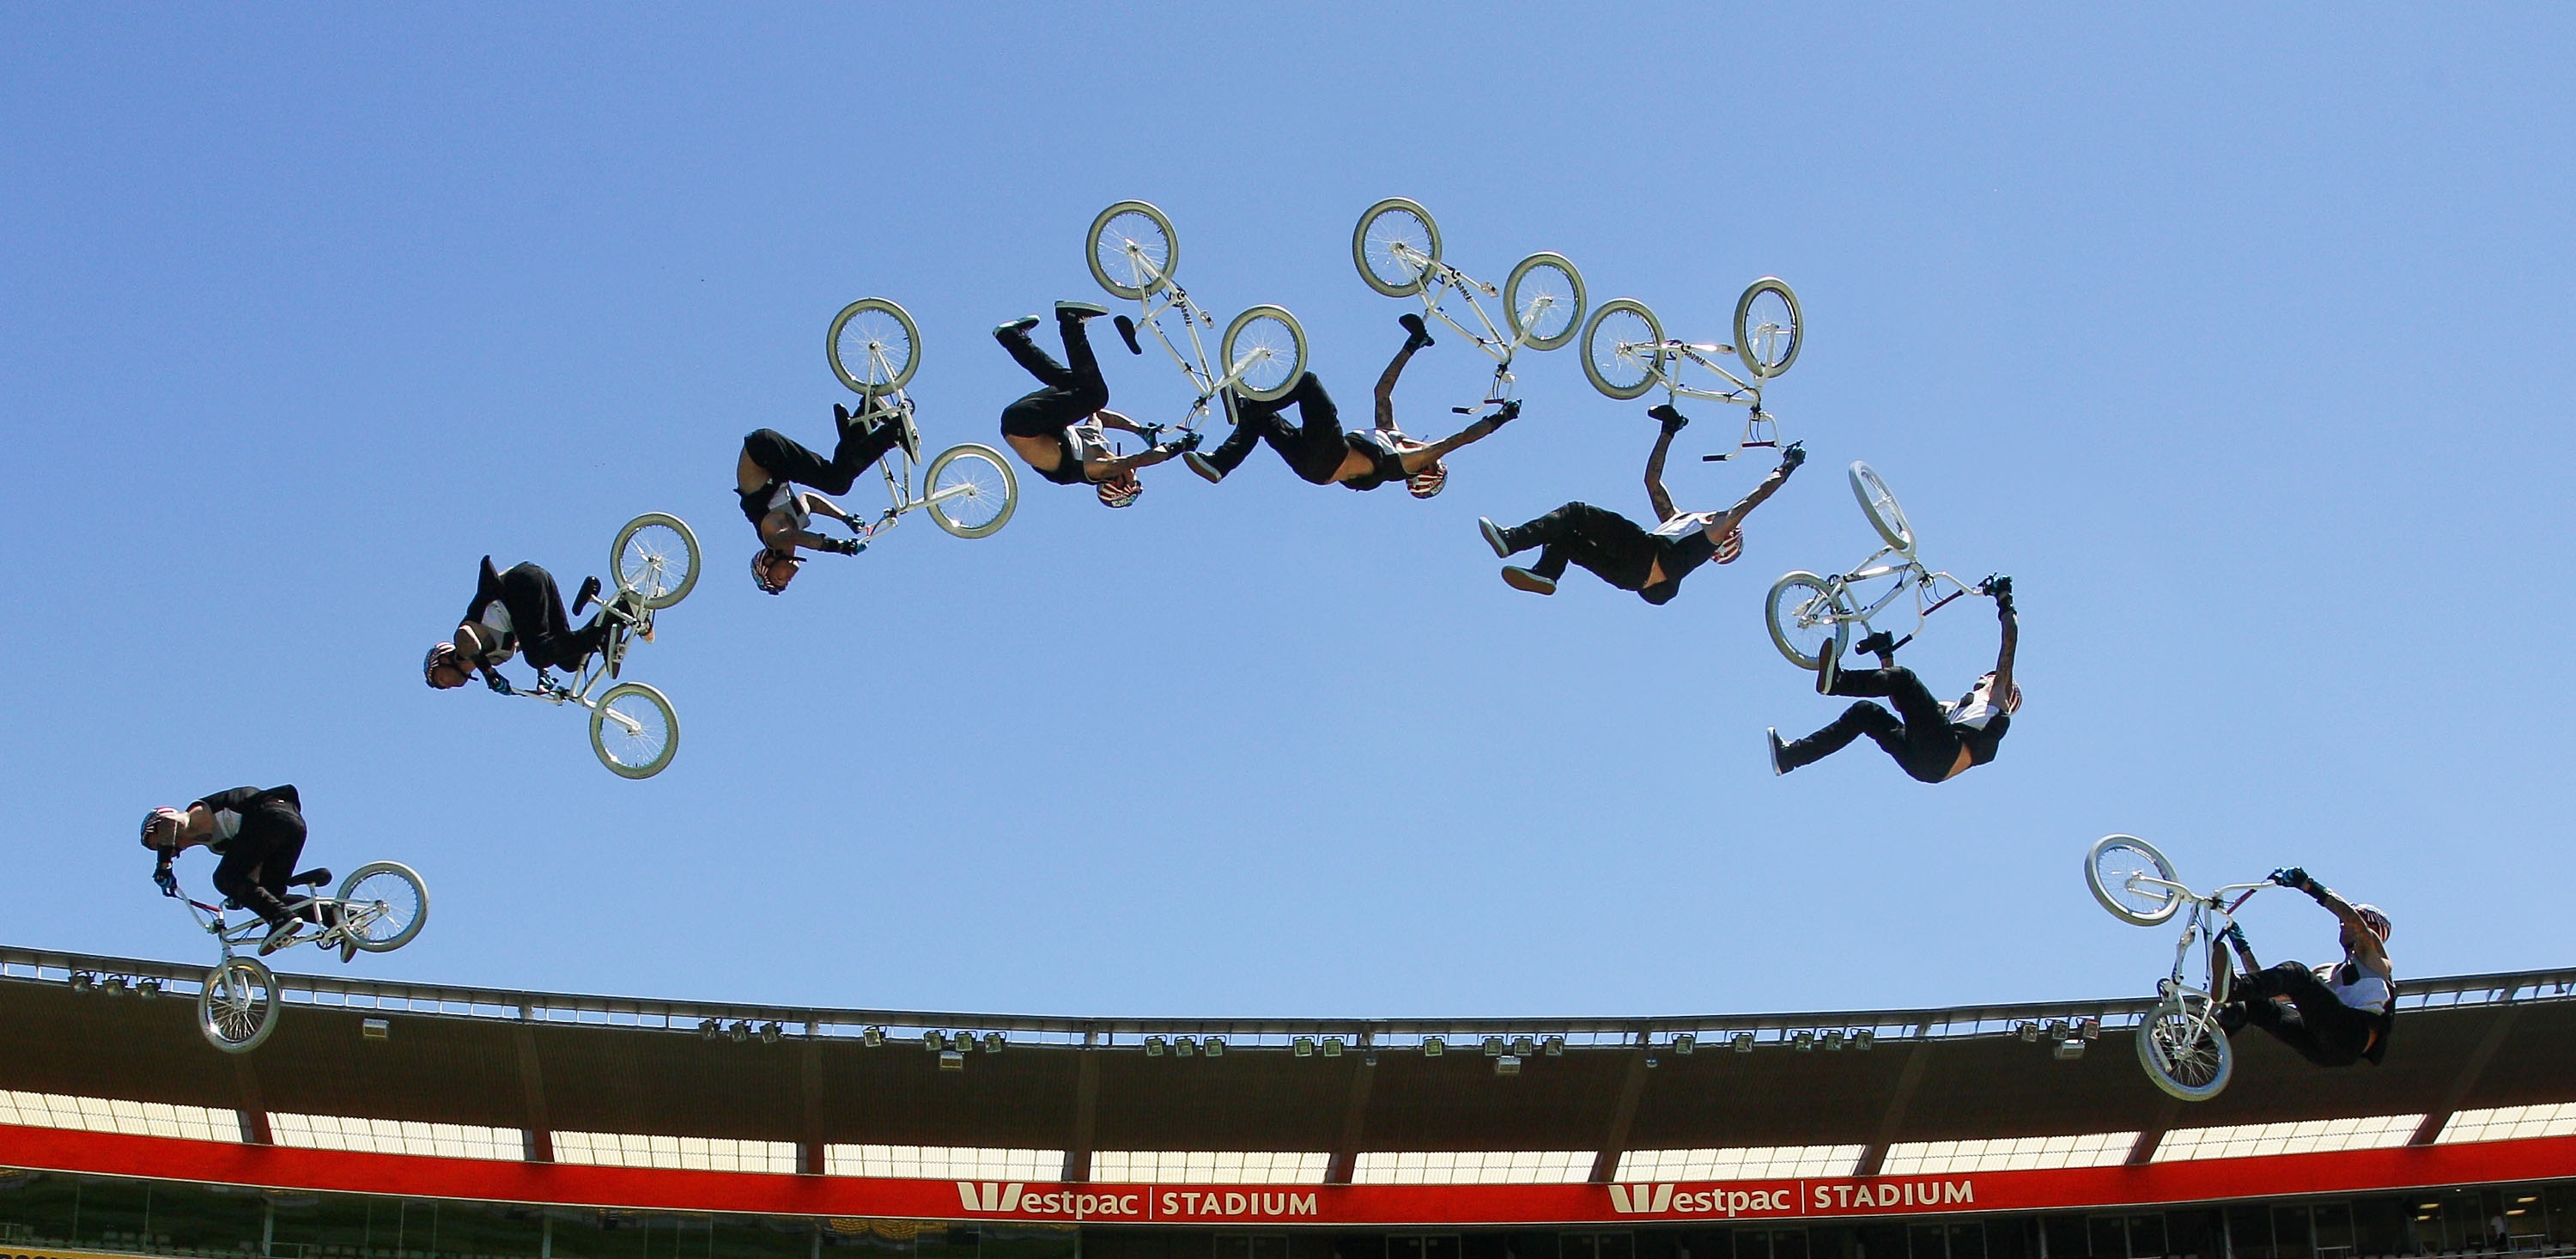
382,905
2114,868
656,556
874,346
1133,250
1543,299
1806,614
238,1006
1623,349
634,730
1393,244
1265,350
1768,328
1879,504
972,491
2184,1049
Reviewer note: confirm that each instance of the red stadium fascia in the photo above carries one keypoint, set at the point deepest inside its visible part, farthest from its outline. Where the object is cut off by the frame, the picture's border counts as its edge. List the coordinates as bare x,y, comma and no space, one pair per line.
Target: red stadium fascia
492,1180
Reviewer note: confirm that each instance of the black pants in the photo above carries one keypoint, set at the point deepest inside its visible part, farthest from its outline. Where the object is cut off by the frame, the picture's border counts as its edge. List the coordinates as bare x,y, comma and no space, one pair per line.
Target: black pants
1615,548
785,460
1922,741
261,857
1071,393
2327,1033
1314,449
537,618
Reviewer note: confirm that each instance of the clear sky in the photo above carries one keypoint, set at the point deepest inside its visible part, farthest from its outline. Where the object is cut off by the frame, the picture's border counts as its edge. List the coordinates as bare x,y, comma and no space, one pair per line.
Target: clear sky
2239,338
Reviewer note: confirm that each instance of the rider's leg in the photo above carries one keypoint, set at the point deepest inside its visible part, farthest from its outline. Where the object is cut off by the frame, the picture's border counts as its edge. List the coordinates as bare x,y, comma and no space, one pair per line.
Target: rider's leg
1386,380
1084,382
783,458
1857,720
1316,447
2326,1032
1608,544
1033,360
545,633
1253,421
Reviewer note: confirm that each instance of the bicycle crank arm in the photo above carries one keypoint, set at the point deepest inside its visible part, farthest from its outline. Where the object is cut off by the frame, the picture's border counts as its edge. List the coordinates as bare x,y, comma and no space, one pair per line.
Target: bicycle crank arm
1719,458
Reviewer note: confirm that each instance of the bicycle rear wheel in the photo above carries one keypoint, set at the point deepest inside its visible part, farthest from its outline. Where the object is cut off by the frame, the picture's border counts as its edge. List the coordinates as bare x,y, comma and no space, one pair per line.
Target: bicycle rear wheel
1623,349
1768,327
972,490
2108,868
1268,347
634,730
1806,613
874,346
382,905
1879,504
2184,1050
1393,241
1133,249
238,1006
1544,300
656,556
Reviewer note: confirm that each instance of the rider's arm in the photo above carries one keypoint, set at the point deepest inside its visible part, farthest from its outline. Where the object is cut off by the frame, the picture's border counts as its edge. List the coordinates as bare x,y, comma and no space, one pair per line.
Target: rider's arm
1655,477
822,506
2002,692
1103,469
1112,419
781,537
2367,947
1734,517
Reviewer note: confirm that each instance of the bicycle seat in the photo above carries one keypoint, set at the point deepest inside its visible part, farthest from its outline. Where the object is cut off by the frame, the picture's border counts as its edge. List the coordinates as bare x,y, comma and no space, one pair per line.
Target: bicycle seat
315,877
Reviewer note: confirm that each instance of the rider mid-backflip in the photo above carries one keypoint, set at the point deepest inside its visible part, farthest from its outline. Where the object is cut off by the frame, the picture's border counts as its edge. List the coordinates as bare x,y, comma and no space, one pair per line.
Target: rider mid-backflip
519,611
2334,1015
1932,741
1320,452
773,465
1625,554
260,835
1057,430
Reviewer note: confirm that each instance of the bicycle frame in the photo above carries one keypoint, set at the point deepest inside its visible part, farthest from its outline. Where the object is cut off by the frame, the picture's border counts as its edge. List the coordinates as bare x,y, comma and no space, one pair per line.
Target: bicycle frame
1164,294
1440,279
598,669
2207,923
1927,585
210,918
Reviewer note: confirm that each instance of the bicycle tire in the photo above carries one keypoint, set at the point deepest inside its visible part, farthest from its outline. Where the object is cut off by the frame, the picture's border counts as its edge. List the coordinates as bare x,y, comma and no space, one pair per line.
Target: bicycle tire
875,333
1616,369
1879,504
2184,1050
1534,270
1799,639
1760,345
1161,248
238,1005
1366,243
662,571
399,878
2107,872
987,467
646,751
1266,327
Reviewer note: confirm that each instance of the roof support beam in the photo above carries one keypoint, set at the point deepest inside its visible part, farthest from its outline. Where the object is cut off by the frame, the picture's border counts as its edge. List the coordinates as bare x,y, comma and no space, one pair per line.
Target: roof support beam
2143,1151
540,1142
2431,1128
254,1110
1086,1119
1346,1152
1893,1122
1631,1087
809,1146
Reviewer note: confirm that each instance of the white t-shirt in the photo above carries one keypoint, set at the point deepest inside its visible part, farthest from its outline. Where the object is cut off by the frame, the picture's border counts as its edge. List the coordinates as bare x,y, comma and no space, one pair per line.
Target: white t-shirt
2367,992
1974,711
496,618
1685,524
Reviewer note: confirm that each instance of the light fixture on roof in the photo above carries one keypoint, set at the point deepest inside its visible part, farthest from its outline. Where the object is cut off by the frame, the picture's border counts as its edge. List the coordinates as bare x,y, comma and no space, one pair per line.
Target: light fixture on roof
2089,1028
993,1042
374,1029
707,1028
1183,1046
1332,1046
951,1060
1685,1043
1508,1064
148,989
1524,1046
1862,1038
1743,1042
83,981
1803,1042
934,1042
2070,1049
2027,1029
1555,1046
770,1032
1213,1046
113,985
1303,1046
740,1031
1153,1046
1433,1047
1493,1046
872,1036
1831,1039
2053,1030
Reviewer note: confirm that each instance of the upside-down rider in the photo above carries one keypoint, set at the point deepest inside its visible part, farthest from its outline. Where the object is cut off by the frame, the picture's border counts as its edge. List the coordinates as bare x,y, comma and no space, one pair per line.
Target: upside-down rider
1932,741
2333,1015
260,835
1058,430
515,612
1320,452
773,465
1651,562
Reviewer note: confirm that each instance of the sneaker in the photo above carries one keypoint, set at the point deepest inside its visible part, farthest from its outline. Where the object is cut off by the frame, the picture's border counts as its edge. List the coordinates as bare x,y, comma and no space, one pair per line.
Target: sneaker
2231,1017
1415,335
906,434
1127,333
1778,766
1204,466
1016,328
1524,579
1494,537
1828,668
279,936
348,949
1079,311
844,546
1505,414
589,591
1878,643
1673,420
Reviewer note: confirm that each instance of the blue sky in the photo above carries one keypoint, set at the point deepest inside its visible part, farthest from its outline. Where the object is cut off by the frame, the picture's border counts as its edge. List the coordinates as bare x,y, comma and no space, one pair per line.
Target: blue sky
2237,337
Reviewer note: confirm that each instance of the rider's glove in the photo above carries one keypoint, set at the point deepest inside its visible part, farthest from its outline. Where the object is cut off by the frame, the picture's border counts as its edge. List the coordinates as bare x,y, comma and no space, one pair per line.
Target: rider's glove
500,685
1794,456
166,880
2295,879
1186,442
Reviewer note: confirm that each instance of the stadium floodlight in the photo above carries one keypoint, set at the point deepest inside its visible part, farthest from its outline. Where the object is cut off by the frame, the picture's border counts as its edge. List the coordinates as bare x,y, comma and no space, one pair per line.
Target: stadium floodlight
934,1042
1153,1046
1332,1046
2070,1049
1832,1039
1685,1043
1743,1042
1303,1046
1555,1046
2028,1030
2053,1030
148,989
951,1060
1524,1046
1508,1064
993,1042
83,981
1803,1042
375,1029
740,1031
1183,1046
707,1028
1493,1046
113,985
1215,1047
1433,1046
2089,1028
872,1036
770,1032
1862,1038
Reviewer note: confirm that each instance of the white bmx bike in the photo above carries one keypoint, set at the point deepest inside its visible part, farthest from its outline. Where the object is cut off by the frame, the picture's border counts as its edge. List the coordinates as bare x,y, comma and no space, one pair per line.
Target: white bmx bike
969,489
1397,249
1626,354
1806,611
2180,1043
1133,255
381,906
632,726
